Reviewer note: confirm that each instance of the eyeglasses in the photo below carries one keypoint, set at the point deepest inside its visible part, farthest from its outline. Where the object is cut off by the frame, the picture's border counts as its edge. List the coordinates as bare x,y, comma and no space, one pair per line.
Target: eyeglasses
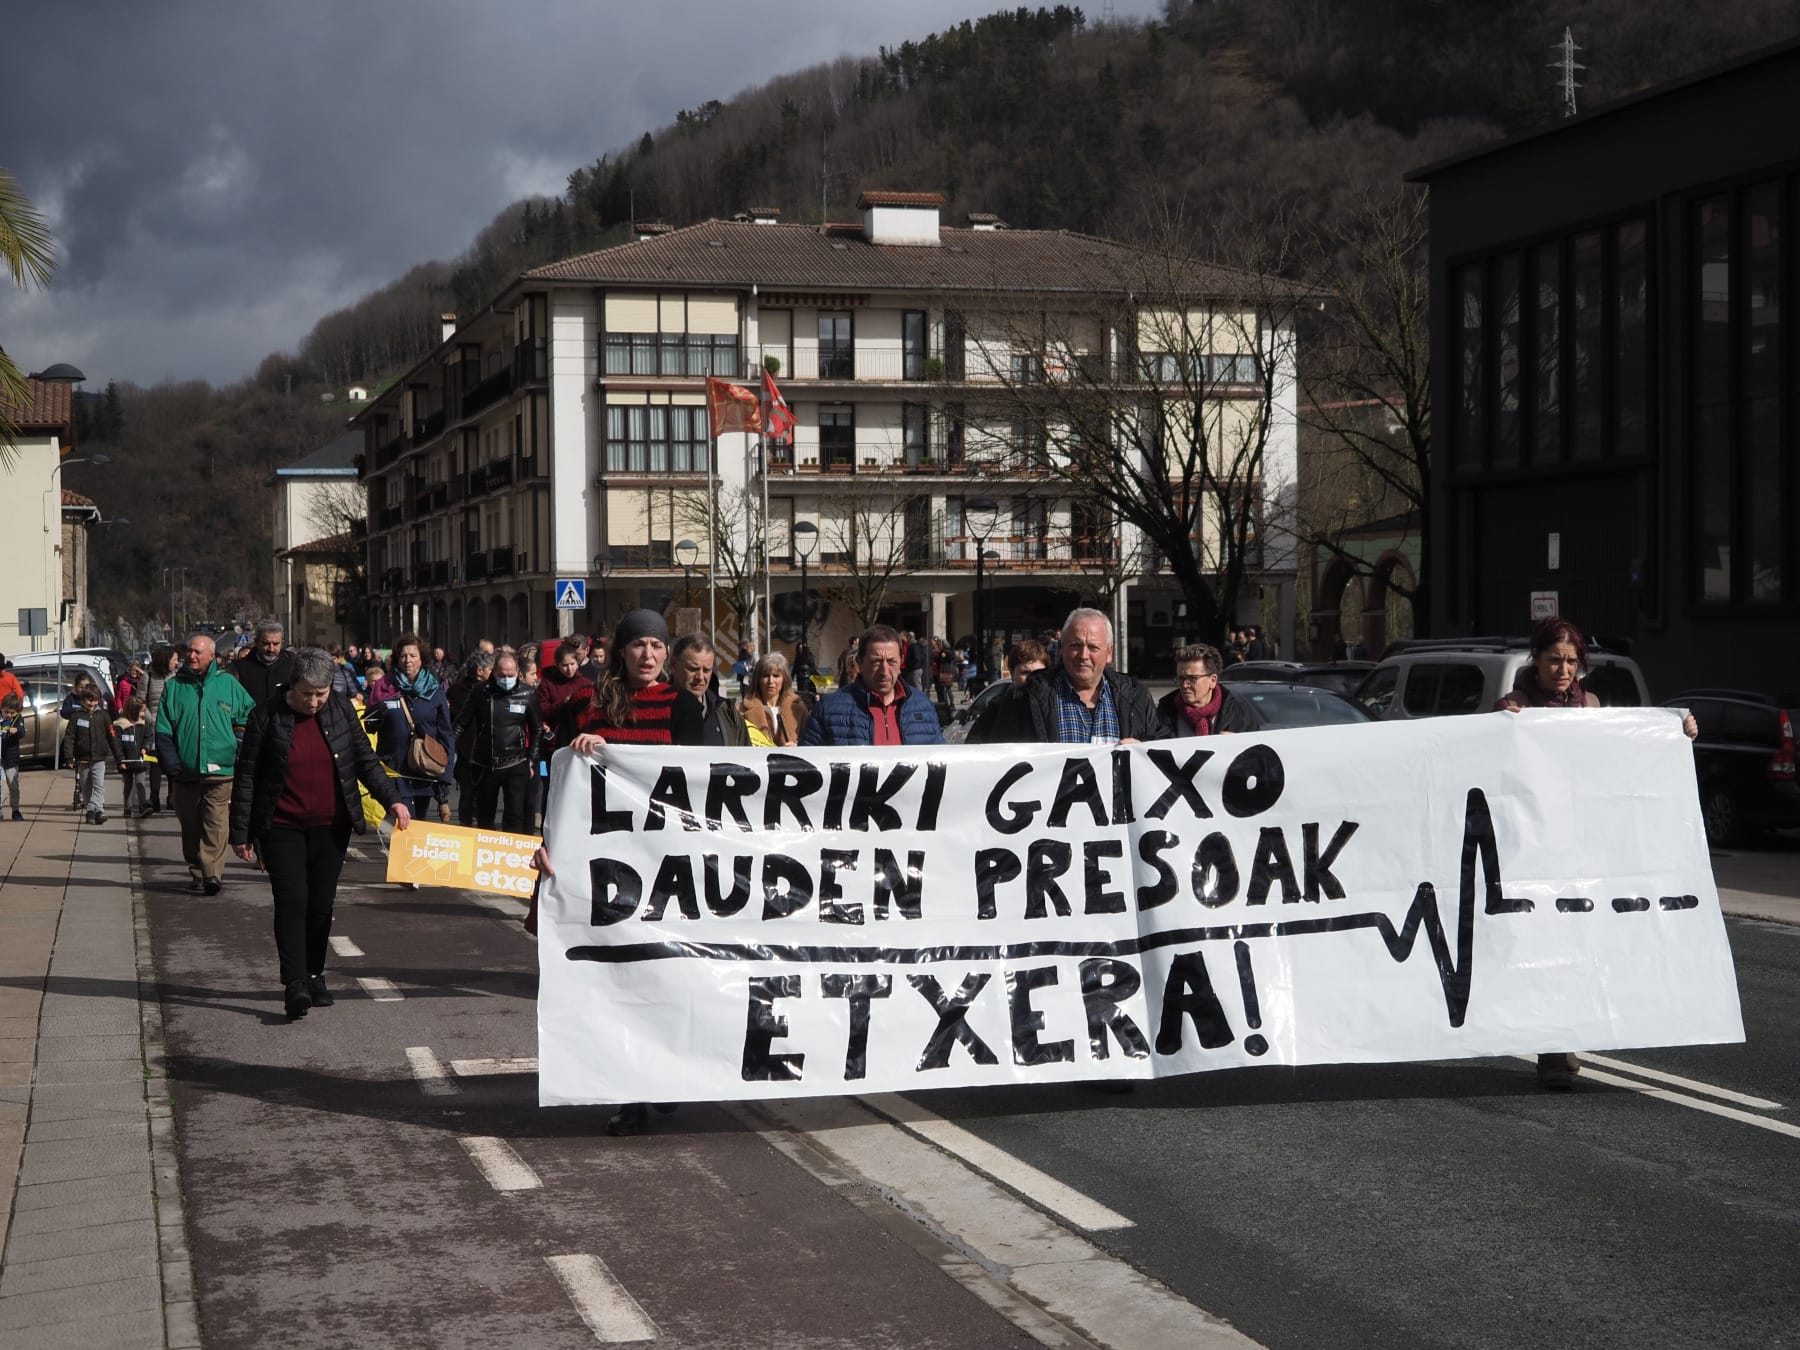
1194,679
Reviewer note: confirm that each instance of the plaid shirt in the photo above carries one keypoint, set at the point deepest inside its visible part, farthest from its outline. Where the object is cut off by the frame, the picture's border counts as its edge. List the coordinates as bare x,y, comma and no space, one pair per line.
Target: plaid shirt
1079,724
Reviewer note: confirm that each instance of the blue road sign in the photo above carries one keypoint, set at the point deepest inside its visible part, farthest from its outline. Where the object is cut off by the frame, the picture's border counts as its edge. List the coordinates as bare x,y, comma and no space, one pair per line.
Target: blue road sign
571,593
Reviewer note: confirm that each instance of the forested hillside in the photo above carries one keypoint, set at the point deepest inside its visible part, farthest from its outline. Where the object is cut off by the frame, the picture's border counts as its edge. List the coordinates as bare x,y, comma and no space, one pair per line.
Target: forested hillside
1218,119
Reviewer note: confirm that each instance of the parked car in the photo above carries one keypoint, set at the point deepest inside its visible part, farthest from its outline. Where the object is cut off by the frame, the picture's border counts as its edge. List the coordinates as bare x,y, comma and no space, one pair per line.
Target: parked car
956,730
43,701
1278,707
1341,677
1745,762
43,666
1451,677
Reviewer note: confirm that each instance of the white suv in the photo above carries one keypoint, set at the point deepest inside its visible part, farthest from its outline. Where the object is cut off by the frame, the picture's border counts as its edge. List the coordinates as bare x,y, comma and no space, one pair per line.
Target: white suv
1444,678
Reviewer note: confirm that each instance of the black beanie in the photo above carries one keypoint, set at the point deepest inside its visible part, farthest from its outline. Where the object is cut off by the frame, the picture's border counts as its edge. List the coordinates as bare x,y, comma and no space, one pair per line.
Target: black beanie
640,623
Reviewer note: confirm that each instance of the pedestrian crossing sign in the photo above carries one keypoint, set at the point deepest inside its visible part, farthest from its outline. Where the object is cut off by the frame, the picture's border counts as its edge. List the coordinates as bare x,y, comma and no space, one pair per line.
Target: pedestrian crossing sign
571,593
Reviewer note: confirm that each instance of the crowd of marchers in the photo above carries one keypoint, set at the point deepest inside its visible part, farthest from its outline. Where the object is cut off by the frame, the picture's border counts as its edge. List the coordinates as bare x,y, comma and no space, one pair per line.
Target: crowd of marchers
281,755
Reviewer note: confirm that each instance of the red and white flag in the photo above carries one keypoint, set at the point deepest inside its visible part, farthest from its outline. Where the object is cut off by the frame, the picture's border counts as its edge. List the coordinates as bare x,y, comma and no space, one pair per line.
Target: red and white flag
731,407
780,424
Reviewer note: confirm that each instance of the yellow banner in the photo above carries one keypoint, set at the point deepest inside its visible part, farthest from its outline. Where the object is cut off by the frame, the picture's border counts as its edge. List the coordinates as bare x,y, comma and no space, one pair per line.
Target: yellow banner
471,860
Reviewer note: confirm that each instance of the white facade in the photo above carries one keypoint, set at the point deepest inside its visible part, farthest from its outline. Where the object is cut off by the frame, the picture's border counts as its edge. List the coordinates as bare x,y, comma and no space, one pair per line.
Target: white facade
31,524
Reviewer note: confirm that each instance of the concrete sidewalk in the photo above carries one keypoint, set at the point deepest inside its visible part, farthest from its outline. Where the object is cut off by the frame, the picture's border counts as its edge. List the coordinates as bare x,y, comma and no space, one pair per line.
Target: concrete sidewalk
91,1226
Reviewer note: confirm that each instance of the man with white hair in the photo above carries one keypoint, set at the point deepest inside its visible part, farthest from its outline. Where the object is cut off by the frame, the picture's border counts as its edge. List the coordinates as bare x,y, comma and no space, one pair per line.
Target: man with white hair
197,724
1079,701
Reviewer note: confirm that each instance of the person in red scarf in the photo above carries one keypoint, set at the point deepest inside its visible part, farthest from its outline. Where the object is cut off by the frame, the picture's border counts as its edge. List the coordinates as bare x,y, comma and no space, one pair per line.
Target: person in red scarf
632,704
1200,705
1552,679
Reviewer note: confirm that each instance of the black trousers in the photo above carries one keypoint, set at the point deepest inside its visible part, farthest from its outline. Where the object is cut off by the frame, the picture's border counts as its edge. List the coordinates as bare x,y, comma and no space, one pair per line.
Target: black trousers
303,863
516,783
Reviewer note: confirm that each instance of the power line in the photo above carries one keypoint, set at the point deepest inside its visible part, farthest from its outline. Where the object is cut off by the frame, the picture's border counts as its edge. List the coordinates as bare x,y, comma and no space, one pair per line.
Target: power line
1566,52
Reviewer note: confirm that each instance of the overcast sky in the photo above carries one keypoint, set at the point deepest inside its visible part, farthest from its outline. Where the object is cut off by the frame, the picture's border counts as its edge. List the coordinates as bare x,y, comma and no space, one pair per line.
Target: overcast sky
219,174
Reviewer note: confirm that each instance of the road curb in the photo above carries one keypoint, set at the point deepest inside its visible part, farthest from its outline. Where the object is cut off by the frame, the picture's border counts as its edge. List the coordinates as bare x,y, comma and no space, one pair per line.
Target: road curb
181,1314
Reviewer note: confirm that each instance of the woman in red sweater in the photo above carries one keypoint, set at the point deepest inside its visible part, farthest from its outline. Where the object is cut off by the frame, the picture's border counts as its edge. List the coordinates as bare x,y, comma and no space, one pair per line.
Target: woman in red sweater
631,705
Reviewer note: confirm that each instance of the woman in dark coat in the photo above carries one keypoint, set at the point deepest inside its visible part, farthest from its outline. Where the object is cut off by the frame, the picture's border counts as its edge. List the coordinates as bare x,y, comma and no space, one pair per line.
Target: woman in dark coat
412,703
294,803
1200,705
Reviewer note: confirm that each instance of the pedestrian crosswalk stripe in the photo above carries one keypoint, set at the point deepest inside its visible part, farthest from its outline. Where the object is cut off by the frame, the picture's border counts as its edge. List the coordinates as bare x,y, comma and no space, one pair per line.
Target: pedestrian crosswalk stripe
608,1308
495,1159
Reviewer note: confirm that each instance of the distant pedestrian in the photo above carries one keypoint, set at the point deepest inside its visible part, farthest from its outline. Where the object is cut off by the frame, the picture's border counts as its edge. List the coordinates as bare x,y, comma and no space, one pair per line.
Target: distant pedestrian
89,744
9,682
770,704
203,708
692,667
12,731
134,739
1026,658
1081,702
164,662
293,808
414,735
497,737
1200,704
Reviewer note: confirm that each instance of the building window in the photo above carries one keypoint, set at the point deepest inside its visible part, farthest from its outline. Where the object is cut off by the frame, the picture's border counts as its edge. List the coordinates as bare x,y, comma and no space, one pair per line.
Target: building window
918,531
691,355
1031,442
1031,529
956,433
912,344
1470,364
837,436
837,351
656,438
1027,368
1506,385
1545,314
956,345
914,433
1588,304
1243,369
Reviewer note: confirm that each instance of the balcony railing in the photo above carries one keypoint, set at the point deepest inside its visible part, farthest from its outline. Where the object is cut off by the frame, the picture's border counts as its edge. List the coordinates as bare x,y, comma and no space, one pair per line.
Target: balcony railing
475,567
389,517
388,451
426,427
491,390
888,363
500,562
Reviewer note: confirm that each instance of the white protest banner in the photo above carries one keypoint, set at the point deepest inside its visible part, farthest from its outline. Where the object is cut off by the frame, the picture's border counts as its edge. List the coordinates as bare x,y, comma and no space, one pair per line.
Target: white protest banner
742,923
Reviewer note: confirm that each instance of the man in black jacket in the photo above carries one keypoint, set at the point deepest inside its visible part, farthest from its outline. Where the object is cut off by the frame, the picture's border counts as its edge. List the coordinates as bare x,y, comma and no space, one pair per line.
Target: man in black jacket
497,735
268,669
691,667
1081,701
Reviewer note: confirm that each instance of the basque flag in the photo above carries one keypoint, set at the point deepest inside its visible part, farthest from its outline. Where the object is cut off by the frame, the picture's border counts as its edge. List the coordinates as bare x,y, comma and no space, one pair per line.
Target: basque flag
781,417
731,407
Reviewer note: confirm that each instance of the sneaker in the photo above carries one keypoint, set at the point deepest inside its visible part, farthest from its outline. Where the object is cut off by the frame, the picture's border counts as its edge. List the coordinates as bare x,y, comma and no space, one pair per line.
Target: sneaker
18,814
629,1119
194,886
99,817
213,886
297,1000
320,995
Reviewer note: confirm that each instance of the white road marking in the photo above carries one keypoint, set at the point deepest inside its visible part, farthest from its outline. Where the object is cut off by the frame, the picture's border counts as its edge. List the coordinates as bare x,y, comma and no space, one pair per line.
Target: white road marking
504,1169
429,1071
1691,1084
356,853
477,1068
500,904
608,1308
1042,1190
1058,1270
343,946
1694,1103
379,989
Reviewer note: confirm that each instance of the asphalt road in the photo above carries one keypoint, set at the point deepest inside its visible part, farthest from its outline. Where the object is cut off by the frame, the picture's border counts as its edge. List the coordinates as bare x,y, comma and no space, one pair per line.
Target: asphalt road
1453,1204
334,1199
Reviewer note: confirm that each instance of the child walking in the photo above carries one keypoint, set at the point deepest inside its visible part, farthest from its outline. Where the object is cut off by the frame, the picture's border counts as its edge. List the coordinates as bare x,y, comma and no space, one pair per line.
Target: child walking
89,742
12,731
133,736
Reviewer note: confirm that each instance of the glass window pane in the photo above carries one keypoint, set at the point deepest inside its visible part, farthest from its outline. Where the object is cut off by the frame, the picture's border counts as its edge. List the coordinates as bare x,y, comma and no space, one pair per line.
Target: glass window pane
1585,374
1631,390
1471,429
1546,345
1762,389
643,353
1710,287
1506,333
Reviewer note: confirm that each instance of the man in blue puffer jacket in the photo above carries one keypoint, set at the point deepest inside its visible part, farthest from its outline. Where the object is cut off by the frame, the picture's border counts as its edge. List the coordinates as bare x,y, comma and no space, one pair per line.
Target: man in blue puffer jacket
879,708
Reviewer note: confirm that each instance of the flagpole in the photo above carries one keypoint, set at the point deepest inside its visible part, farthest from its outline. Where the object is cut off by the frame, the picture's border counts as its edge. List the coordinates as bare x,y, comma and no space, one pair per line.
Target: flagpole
762,455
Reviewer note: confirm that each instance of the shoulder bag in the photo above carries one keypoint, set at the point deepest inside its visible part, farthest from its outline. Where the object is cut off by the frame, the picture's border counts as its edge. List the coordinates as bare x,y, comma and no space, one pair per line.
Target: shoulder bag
425,754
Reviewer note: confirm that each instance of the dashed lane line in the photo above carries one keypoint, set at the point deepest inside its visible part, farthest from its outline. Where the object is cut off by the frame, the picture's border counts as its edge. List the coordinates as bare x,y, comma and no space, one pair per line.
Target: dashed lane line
481,1068
1691,1084
1044,1191
1693,1103
500,904
380,989
607,1307
495,1159
429,1071
343,946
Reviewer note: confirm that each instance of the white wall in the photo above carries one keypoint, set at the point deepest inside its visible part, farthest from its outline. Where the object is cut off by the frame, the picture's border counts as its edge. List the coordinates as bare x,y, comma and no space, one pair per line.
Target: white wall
575,433
31,526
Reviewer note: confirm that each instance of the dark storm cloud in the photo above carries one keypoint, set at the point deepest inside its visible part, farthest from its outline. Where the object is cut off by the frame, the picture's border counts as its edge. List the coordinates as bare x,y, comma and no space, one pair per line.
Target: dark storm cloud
221,174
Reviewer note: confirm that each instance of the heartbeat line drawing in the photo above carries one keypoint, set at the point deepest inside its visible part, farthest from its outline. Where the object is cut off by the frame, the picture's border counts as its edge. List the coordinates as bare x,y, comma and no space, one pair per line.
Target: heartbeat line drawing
1452,955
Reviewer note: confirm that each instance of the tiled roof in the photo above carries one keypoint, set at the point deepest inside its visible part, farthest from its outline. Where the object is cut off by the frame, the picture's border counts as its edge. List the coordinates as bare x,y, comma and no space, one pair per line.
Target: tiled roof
733,254
869,199
52,407
72,498
339,453
335,546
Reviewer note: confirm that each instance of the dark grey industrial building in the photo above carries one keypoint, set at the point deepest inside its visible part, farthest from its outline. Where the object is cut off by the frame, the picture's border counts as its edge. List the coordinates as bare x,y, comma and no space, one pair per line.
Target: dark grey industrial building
1616,383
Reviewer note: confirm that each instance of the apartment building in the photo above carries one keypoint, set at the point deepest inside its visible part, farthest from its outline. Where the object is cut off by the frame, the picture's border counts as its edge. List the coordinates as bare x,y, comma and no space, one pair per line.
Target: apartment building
940,378
317,499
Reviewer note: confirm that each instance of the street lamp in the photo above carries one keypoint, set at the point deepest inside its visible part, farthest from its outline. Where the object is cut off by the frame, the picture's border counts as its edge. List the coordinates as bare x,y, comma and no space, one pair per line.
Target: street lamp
806,539
169,574
980,516
992,557
685,554
603,566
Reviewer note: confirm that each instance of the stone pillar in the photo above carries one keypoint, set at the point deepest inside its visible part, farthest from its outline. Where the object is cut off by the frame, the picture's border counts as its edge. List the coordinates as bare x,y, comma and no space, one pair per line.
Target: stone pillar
937,618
